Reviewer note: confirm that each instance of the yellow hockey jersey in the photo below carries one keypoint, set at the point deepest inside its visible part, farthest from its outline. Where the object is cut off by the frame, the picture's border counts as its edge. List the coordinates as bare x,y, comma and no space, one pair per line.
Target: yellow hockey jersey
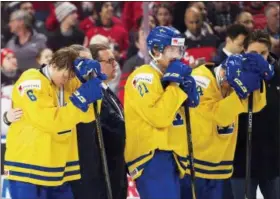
154,118
214,126
42,145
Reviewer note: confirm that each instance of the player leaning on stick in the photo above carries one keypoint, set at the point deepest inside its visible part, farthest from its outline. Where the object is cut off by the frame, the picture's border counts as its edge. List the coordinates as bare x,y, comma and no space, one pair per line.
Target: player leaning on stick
154,116
41,155
224,94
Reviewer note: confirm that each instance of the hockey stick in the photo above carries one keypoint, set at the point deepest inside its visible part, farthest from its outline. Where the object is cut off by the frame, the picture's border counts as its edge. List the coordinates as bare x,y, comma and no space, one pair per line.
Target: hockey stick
190,149
249,147
102,150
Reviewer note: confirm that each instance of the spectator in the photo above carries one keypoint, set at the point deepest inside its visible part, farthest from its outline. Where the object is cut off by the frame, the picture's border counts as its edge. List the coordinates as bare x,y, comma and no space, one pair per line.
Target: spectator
256,8
105,26
132,49
222,15
67,33
132,11
44,56
133,62
201,46
272,18
200,5
265,134
234,43
164,14
9,75
89,22
100,39
39,26
246,19
26,42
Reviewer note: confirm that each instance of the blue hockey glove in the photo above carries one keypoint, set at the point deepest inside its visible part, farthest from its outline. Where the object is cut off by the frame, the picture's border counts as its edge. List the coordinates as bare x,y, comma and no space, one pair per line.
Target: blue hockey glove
176,71
85,67
88,93
254,62
243,82
189,86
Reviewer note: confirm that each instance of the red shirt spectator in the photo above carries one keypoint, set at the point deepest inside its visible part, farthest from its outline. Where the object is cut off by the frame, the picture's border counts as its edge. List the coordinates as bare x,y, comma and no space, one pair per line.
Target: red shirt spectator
132,11
89,23
105,26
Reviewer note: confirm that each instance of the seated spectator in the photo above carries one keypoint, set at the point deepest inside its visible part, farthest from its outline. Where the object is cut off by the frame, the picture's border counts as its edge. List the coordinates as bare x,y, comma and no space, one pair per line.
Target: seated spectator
246,19
222,15
26,42
132,11
39,26
234,43
67,33
133,62
200,5
89,22
105,26
273,29
163,14
132,49
201,46
256,8
44,56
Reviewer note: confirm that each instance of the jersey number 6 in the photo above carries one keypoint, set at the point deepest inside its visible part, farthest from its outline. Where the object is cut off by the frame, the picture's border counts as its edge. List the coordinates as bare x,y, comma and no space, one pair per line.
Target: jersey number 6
31,95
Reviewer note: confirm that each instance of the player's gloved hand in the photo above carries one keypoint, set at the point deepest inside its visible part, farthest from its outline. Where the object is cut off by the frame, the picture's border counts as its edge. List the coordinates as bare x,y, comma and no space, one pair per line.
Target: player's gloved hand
254,62
243,82
176,71
85,67
189,86
88,93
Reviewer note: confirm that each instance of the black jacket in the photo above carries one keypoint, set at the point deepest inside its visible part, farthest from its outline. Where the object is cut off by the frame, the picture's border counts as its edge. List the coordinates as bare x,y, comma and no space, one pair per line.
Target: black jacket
265,136
92,183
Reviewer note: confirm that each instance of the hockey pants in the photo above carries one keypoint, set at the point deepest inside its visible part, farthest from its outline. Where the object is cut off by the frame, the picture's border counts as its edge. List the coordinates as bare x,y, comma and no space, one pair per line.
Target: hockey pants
23,190
160,179
205,188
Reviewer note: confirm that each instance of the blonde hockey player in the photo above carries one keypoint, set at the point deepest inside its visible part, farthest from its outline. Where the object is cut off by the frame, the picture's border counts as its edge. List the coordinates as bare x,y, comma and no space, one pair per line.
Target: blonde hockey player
41,155
223,96
154,116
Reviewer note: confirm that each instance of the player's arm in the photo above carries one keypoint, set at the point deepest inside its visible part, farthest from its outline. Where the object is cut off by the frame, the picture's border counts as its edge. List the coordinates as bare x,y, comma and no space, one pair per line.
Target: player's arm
155,106
38,109
222,110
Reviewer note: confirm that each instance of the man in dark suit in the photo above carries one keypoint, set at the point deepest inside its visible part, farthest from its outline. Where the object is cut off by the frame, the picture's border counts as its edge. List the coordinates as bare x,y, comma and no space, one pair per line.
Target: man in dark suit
92,182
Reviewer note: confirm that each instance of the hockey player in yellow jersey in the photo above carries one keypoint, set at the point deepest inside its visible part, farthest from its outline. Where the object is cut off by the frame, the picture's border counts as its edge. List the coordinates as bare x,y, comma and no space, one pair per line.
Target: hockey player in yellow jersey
154,116
224,92
41,155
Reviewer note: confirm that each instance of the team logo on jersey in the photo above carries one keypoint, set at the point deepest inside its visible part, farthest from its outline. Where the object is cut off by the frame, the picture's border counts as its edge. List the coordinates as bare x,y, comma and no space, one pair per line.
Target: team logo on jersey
29,85
201,81
142,77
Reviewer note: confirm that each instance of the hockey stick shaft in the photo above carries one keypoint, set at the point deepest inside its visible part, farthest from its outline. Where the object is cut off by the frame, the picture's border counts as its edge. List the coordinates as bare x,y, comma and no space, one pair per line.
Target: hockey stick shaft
102,151
190,150
249,148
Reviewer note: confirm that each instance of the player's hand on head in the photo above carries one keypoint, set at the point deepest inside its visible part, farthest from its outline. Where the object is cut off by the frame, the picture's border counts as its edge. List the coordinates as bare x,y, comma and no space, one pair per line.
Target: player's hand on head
85,68
189,86
176,71
254,62
242,81
89,92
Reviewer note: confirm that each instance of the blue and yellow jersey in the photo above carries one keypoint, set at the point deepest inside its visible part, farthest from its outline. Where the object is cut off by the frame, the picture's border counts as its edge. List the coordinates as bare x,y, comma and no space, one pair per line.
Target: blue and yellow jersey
42,145
214,126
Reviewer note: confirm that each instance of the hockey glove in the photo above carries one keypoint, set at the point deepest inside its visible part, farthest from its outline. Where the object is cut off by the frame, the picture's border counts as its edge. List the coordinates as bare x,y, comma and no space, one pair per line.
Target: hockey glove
189,86
254,62
176,71
85,67
243,82
88,93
